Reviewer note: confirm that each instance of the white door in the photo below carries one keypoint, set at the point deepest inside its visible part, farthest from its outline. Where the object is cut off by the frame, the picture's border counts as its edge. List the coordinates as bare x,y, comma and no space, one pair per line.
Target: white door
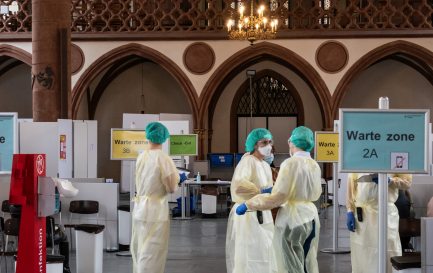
244,128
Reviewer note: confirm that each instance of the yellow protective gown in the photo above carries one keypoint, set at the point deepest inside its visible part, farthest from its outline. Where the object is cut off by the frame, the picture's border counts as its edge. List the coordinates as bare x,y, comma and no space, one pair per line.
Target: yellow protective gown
248,243
156,176
297,224
362,192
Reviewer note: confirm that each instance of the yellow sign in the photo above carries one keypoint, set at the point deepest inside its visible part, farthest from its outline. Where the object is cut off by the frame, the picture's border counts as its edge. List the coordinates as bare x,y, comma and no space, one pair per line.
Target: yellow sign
126,144
326,148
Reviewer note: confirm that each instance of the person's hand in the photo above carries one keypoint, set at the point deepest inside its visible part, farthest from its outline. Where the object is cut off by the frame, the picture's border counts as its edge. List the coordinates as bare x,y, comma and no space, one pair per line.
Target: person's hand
350,221
266,190
183,177
241,209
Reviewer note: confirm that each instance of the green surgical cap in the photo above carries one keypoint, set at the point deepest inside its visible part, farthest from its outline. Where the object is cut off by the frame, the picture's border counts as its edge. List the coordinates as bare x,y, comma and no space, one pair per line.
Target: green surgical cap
255,136
156,133
303,138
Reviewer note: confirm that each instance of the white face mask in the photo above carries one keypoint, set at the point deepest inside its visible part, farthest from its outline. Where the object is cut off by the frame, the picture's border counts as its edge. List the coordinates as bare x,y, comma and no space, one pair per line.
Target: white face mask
265,150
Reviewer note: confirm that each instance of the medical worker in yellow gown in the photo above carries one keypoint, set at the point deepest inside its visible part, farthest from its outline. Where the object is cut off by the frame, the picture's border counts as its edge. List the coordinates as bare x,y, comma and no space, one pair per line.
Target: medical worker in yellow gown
362,193
156,177
297,223
249,238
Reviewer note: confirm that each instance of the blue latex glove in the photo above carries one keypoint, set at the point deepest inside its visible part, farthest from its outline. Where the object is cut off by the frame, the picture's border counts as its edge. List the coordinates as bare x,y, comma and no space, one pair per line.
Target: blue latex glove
266,190
183,177
350,221
241,209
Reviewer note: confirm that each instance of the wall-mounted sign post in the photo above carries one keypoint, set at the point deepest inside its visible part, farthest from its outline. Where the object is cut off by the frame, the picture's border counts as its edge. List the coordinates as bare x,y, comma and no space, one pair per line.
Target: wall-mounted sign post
383,141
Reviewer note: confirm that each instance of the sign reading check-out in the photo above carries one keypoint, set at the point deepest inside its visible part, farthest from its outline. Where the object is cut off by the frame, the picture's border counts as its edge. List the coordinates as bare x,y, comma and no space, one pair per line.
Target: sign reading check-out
183,145
384,141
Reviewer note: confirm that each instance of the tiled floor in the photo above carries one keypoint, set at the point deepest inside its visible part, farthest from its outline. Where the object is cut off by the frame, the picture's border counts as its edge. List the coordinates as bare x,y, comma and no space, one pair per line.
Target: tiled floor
198,246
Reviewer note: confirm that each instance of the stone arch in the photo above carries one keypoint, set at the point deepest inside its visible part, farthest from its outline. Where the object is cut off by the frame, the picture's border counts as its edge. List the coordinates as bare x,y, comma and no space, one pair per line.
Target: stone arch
240,92
132,50
17,53
411,50
252,55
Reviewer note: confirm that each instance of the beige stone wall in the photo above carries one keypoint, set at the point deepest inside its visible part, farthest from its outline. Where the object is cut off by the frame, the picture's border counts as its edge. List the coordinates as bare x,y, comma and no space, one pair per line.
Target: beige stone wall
162,95
16,91
405,87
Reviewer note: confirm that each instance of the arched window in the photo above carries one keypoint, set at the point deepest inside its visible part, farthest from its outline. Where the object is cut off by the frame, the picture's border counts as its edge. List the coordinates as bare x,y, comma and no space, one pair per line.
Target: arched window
270,97
274,104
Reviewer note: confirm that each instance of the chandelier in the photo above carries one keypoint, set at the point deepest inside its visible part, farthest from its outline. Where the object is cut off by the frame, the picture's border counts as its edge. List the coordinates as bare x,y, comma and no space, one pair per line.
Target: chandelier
252,27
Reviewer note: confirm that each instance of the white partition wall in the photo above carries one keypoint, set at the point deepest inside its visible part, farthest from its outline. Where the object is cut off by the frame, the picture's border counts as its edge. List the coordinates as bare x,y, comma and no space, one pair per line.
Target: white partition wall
107,194
85,148
65,142
92,148
41,137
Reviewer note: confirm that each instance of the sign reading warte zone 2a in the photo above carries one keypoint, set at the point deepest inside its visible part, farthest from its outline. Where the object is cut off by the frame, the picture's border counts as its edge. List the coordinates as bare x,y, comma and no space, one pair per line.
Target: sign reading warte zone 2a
384,141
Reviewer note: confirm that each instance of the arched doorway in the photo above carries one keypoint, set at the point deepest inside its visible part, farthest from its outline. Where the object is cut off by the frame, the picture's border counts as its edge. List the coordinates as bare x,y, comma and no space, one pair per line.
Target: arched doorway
274,104
128,51
15,81
400,70
259,56
129,79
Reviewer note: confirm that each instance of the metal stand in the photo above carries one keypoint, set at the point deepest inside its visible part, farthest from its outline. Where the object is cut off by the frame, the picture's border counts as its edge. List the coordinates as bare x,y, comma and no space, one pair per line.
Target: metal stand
182,202
383,209
335,249
383,223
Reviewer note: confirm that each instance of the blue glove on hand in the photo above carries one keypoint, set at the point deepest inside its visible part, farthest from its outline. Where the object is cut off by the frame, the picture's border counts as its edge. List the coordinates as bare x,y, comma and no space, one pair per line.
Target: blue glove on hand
350,221
183,177
241,209
266,190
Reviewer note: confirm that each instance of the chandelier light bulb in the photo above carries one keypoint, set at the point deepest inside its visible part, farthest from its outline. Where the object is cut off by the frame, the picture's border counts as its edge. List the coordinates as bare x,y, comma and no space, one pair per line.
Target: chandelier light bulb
241,11
253,26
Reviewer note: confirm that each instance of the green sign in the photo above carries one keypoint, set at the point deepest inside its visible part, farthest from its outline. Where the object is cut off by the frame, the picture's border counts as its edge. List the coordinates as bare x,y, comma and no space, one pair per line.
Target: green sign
384,141
183,145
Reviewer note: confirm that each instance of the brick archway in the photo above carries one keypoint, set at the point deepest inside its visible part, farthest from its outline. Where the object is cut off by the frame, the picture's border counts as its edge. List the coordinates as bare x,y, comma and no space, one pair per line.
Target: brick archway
17,53
133,50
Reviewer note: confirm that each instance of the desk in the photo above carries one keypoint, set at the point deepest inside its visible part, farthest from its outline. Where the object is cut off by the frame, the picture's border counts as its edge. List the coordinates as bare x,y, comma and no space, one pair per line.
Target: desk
185,191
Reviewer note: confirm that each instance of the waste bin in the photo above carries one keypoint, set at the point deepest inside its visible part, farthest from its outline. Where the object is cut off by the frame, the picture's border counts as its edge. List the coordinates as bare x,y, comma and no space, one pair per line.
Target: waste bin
209,200
89,242
124,226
